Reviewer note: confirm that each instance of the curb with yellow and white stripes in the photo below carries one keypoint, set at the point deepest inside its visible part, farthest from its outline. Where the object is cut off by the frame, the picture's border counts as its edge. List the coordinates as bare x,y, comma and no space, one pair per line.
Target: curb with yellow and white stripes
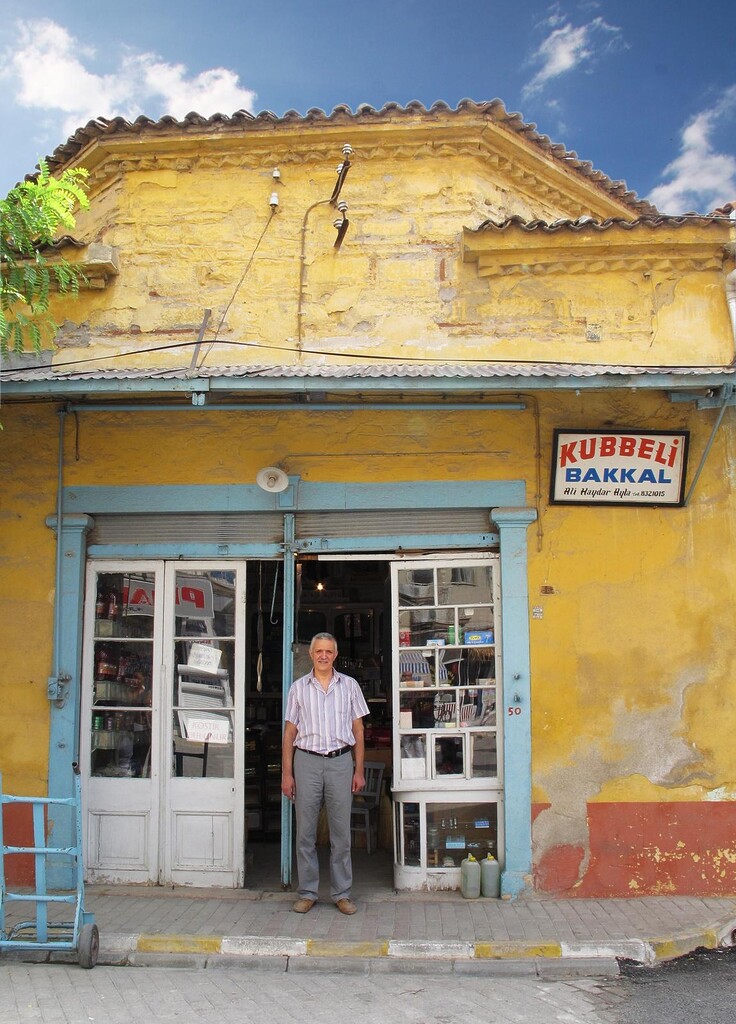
242,946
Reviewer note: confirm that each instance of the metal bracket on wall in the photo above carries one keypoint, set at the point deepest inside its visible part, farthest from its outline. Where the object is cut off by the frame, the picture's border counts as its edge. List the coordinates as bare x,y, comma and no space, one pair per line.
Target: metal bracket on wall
712,398
57,687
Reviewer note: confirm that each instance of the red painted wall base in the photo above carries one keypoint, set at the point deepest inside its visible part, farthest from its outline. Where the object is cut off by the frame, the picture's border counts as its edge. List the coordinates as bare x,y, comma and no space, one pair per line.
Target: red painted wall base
646,849
18,831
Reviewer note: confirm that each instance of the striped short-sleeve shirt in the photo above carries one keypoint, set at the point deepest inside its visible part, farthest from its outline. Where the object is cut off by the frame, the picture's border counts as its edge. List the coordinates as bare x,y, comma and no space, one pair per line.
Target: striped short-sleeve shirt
324,718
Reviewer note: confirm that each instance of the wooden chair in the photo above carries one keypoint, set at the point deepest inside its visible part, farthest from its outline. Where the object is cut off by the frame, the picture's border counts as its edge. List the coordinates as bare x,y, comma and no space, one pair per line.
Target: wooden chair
364,812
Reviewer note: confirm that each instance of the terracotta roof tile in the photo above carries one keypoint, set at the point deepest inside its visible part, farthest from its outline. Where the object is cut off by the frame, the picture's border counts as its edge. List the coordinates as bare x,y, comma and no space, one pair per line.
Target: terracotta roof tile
494,110
589,223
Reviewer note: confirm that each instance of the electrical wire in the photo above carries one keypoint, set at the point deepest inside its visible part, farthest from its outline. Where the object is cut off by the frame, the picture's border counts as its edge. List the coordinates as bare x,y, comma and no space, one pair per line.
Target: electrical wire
237,288
397,360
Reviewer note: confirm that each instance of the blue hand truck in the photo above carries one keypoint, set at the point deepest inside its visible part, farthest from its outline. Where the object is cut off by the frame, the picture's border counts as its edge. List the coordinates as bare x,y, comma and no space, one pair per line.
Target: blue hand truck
80,934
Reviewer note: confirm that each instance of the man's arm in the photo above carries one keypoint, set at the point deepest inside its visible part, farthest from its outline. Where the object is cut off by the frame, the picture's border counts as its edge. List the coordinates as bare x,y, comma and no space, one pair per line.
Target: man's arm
359,755
288,786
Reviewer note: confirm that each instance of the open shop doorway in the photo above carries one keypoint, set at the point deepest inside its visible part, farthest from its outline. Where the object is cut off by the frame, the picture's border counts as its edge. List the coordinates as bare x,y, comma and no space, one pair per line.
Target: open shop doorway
349,598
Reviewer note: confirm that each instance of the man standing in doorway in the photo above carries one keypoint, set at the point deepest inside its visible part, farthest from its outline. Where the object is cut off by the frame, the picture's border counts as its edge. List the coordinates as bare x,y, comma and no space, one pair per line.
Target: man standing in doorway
323,732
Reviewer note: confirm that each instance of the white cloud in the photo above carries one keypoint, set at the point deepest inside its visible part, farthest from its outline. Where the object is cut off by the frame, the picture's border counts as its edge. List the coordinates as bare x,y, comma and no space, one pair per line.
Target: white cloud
568,47
701,178
140,83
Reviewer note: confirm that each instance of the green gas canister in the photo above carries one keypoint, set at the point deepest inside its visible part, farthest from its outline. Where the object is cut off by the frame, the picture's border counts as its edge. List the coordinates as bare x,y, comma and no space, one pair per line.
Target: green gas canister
490,876
470,878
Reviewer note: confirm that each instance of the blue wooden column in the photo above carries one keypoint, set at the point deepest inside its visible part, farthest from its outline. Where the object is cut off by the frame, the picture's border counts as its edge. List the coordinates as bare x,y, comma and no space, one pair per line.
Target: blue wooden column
512,524
65,681
288,675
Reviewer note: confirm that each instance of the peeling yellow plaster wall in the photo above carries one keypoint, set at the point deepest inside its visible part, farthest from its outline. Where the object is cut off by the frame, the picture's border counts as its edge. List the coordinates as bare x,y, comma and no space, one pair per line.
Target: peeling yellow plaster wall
194,230
28,459
641,610
632,661
216,448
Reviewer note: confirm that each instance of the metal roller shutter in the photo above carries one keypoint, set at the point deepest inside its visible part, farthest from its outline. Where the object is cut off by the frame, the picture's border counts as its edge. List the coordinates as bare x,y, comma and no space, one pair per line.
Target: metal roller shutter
205,527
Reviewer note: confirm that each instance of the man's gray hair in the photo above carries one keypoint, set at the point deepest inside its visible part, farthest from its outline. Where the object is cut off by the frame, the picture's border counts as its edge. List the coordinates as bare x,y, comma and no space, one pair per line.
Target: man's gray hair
322,636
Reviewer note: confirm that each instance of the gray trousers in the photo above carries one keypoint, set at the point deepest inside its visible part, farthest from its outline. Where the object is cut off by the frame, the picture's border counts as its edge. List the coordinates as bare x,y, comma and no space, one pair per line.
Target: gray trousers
329,779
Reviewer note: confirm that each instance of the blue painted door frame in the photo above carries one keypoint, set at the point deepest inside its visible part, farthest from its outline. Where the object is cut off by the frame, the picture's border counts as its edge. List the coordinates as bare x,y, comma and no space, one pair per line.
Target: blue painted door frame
507,513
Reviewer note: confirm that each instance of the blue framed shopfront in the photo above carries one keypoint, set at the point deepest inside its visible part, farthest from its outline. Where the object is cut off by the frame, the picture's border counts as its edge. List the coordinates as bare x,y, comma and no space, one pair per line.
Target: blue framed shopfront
293,522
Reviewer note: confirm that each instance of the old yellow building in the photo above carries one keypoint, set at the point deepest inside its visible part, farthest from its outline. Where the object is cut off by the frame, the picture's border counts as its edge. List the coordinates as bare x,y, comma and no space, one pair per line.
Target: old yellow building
426,380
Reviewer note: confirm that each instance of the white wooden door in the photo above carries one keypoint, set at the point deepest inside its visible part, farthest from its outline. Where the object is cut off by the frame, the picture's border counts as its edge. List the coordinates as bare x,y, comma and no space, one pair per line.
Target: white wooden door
161,722
204,670
120,748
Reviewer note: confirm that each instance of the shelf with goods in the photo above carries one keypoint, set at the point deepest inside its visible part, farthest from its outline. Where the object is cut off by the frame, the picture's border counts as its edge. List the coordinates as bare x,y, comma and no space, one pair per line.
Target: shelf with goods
446,713
436,835
120,742
446,670
272,781
263,778
253,780
120,714
446,667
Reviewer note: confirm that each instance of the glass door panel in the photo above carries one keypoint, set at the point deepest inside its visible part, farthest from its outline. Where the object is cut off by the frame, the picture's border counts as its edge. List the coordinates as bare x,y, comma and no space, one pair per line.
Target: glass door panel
445,667
205,776
120,716
120,748
204,656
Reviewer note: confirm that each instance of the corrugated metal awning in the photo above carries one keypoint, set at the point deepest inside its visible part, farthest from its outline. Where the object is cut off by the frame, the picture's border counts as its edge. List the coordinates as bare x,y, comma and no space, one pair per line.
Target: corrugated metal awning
365,381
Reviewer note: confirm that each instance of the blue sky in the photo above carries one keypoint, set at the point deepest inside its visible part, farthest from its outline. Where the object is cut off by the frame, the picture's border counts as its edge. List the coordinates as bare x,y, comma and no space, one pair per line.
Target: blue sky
644,90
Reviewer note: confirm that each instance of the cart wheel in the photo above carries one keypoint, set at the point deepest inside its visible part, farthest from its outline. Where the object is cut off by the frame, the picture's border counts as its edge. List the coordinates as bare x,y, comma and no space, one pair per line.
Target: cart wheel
88,946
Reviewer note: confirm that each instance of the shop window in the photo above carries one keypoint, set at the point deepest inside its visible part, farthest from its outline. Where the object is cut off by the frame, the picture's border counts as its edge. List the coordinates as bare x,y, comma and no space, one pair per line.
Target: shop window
483,755
454,830
449,757
413,757
409,830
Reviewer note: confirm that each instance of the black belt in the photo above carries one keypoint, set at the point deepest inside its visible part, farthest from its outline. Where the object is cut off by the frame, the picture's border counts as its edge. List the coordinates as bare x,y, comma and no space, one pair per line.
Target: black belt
332,753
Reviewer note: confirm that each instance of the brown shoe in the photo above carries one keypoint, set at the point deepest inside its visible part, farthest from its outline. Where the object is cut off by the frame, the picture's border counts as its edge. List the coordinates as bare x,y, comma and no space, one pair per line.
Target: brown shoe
303,906
346,906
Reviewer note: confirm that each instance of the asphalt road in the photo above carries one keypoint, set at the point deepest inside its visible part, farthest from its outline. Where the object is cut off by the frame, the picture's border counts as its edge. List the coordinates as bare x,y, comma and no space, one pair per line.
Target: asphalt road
697,988
700,988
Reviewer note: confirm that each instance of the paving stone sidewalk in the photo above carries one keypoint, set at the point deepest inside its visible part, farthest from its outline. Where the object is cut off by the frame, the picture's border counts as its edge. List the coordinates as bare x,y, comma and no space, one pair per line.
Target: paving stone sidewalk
405,926
208,927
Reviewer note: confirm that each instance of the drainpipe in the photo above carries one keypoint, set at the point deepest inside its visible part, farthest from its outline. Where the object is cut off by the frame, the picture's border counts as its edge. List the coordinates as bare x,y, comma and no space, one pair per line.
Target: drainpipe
58,683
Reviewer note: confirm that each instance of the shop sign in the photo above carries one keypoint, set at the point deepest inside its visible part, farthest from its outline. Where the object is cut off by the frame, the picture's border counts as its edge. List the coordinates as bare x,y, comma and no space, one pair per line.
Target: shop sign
194,597
619,467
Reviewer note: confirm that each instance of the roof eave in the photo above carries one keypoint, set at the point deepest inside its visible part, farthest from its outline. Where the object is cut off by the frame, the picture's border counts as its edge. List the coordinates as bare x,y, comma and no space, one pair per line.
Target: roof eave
302,390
